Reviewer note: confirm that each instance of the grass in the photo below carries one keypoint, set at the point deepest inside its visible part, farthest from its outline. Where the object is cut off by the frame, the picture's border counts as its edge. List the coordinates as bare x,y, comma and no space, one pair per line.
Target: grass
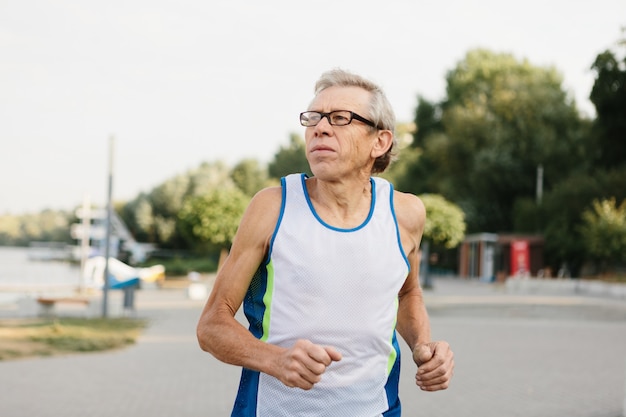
176,267
22,338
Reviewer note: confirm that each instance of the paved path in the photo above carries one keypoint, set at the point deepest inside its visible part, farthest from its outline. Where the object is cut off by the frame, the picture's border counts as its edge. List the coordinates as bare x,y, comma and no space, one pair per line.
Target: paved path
516,355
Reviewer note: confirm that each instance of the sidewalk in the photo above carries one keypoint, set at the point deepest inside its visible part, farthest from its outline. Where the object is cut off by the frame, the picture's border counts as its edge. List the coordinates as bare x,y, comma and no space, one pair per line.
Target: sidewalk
516,355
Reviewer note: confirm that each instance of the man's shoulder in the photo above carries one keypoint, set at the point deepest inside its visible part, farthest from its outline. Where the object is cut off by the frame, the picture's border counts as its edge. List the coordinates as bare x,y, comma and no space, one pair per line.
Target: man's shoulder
267,197
409,208
407,199
403,202
261,215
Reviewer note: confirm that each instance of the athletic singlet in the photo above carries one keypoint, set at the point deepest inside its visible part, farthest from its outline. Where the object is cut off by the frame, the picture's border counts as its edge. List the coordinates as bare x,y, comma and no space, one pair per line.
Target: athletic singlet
336,287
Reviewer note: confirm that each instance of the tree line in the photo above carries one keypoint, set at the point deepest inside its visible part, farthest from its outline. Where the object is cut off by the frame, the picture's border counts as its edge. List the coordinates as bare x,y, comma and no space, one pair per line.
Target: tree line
507,147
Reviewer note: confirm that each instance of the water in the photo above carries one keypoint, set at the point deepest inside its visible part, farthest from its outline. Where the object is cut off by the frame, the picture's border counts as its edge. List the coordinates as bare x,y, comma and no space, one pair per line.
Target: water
18,271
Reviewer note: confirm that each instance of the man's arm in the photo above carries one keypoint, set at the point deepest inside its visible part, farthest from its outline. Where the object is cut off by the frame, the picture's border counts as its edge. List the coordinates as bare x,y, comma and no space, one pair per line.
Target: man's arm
220,334
434,359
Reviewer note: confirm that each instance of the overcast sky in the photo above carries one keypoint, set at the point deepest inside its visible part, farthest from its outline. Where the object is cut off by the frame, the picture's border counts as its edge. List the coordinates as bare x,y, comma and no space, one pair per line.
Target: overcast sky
177,83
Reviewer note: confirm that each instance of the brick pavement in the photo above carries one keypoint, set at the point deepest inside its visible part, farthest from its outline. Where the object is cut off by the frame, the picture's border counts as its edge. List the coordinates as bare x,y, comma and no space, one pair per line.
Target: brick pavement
516,355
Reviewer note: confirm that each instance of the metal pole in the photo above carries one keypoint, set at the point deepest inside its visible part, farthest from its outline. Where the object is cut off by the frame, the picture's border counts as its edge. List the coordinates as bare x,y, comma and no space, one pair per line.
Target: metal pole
109,210
85,239
539,186
427,282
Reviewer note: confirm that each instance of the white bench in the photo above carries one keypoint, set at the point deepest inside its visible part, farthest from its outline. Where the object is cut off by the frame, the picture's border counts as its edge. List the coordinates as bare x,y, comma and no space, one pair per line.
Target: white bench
46,304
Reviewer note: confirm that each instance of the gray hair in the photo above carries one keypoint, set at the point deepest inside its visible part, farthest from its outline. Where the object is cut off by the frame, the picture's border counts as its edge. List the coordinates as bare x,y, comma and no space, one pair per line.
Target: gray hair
381,112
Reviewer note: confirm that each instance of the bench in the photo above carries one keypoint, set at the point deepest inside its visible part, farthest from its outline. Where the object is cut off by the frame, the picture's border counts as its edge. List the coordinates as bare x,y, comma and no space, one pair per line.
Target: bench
47,304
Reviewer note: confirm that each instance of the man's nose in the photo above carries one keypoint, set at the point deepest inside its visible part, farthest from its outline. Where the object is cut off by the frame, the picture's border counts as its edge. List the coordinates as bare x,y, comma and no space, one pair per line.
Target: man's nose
324,122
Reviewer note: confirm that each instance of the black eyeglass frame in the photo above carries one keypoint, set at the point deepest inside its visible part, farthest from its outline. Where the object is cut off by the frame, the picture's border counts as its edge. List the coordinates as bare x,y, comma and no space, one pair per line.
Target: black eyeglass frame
353,116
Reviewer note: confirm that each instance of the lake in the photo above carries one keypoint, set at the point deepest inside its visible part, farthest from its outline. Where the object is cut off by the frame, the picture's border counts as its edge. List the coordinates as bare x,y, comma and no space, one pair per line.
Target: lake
17,270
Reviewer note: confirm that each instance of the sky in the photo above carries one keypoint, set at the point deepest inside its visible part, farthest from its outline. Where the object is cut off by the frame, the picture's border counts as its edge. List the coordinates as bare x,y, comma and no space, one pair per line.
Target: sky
159,87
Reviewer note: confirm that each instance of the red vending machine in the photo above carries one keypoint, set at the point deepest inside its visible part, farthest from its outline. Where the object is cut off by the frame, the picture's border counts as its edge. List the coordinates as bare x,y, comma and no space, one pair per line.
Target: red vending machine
520,258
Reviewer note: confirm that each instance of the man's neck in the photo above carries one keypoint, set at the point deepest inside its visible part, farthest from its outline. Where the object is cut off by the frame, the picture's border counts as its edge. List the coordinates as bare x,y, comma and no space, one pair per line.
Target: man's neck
343,204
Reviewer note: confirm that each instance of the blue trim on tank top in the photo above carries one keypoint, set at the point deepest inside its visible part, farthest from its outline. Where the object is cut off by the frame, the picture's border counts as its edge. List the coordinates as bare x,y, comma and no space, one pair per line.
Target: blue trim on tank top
395,220
303,178
283,203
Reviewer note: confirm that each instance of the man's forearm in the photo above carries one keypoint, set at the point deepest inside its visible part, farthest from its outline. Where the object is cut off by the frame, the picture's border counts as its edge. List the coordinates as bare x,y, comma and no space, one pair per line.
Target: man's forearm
228,341
413,323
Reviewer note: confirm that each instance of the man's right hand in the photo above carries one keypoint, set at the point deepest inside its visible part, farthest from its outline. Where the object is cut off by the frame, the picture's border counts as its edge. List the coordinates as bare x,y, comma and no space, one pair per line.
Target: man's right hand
303,364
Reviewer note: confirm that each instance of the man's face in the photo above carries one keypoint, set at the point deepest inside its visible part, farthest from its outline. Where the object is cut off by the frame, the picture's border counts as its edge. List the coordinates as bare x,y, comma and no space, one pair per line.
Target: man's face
334,151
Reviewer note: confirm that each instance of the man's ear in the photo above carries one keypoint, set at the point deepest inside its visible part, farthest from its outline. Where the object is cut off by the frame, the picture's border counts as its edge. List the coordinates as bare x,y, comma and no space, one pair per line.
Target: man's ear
384,141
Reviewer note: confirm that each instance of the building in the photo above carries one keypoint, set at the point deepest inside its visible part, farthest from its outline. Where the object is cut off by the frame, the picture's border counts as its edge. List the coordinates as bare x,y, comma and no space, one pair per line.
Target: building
493,257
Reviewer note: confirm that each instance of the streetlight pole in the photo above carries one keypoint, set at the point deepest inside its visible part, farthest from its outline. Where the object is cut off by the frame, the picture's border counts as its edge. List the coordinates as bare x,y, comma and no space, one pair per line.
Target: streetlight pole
539,186
85,238
107,248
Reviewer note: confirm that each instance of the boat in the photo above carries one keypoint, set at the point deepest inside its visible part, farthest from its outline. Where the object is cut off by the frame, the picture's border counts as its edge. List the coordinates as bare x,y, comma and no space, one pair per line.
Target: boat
120,274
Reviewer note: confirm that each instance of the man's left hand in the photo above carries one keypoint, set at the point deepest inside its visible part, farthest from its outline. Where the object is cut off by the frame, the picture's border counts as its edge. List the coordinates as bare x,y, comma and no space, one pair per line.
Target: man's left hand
435,362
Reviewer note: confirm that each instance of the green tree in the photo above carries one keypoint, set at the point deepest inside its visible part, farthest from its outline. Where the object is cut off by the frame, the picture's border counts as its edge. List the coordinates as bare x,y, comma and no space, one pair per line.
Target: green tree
601,176
209,221
208,177
417,166
445,221
10,226
481,146
290,159
563,207
604,232
154,215
50,225
445,226
427,121
609,98
249,176
400,171
405,157
138,217
47,225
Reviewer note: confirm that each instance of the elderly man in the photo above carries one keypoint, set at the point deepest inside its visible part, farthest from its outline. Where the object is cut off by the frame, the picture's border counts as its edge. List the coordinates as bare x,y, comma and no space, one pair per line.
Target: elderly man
327,269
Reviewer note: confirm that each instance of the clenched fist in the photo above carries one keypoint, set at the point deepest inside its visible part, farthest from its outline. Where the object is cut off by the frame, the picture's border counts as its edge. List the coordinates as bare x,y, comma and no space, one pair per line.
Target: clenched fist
304,363
435,363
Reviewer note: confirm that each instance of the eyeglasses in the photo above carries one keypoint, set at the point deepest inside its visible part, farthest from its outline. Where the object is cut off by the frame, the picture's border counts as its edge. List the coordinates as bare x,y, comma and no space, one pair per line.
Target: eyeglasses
335,118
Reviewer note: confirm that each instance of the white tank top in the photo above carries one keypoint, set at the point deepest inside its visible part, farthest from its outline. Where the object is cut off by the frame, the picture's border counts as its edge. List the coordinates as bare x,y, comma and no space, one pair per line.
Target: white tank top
336,287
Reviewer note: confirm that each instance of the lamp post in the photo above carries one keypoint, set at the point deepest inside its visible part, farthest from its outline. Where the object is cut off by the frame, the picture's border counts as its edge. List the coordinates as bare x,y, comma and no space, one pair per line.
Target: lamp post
105,290
427,282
